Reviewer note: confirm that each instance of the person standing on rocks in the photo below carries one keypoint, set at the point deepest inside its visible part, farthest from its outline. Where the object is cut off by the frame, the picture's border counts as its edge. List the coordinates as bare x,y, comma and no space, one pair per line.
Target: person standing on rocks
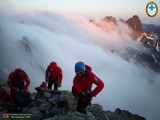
82,84
54,76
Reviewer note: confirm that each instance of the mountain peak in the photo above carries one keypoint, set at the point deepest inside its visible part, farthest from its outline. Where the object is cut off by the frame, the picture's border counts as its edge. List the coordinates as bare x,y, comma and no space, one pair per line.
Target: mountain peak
110,19
122,21
135,23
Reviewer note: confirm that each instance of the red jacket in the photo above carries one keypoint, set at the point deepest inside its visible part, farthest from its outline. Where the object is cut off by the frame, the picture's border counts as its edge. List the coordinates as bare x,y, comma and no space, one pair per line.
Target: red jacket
13,83
85,82
43,85
54,73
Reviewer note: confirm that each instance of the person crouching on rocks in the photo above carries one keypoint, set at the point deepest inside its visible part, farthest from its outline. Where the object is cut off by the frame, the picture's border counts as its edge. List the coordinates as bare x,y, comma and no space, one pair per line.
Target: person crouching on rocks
18,82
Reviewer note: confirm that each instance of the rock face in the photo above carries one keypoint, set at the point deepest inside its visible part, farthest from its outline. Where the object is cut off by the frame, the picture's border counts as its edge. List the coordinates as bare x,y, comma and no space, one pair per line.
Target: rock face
153,55
136,26
147,34
135,23
122,21
110,19
60,105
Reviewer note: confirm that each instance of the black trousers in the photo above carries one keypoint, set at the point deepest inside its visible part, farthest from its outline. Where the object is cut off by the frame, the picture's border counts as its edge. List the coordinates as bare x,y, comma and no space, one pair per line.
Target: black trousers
51,82
82,104
20,100
20,86
14,98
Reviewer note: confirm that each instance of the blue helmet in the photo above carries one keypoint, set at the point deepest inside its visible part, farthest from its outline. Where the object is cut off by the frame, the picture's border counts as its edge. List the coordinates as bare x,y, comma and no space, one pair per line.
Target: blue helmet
80,67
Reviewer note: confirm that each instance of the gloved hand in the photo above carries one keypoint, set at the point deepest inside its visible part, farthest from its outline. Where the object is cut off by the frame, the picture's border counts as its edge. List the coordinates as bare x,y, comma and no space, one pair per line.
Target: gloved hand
86,94
82,94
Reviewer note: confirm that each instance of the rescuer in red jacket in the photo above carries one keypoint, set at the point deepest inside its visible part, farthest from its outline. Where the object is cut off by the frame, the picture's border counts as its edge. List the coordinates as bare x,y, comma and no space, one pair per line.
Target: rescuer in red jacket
82,85
18,81
54,76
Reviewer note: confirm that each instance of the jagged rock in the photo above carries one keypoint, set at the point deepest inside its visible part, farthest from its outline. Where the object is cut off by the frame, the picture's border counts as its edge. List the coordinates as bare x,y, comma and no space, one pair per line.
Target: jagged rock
110,19
60,105
56,111
74,116
69,98
119,114
33,96
26,44
47,94
45,106
122,21
110,23
36,114
135,23
97,111
53,100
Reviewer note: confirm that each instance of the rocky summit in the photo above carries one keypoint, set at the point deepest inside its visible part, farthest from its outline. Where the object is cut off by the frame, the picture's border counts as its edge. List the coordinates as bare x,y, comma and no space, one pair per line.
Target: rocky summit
135,23
136,26
60,105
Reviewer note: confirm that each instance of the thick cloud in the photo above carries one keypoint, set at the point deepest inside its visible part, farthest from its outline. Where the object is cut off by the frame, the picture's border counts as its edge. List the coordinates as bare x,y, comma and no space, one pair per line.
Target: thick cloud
68,39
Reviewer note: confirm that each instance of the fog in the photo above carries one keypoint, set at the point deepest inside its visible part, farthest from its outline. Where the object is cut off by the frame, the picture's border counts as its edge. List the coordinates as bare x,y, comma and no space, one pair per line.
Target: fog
67,39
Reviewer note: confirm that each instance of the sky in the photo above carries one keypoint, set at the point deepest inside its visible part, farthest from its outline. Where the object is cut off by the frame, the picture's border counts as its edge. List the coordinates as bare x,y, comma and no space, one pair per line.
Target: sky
99,8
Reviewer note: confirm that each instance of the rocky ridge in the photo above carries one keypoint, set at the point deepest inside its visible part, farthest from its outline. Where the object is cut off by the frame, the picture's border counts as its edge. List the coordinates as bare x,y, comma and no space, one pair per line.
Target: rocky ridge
133,23
60,105
147,35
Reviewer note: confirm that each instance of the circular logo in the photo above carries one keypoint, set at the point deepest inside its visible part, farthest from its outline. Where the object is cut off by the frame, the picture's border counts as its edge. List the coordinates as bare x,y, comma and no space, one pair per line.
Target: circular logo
151,9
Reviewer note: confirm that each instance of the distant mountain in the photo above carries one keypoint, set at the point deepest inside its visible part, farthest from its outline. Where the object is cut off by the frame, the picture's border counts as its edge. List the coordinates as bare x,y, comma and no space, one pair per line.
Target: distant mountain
147,34
110,19
152,30
136,26
135,23
150,27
